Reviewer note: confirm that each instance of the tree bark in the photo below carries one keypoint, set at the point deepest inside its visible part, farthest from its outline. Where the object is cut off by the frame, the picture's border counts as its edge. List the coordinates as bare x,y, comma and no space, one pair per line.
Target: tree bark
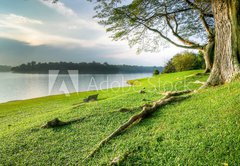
208,54
227,41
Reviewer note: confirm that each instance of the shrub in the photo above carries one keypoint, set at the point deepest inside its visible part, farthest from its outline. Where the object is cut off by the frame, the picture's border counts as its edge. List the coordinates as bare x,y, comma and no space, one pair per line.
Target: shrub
169,68
201,60
184,61
156,72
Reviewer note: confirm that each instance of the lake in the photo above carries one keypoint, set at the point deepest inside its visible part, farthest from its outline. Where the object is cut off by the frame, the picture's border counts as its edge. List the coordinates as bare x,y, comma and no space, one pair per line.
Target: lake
26,86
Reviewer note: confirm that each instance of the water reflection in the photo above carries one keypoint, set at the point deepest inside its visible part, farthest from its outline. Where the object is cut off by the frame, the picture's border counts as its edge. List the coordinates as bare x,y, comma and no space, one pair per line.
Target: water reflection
24,86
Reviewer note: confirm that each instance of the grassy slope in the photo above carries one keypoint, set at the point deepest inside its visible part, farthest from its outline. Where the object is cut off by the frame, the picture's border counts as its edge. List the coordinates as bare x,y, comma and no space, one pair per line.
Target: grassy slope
202,130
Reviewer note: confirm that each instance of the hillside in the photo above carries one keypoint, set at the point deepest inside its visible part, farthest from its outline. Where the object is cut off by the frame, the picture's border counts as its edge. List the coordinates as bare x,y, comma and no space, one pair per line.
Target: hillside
201,130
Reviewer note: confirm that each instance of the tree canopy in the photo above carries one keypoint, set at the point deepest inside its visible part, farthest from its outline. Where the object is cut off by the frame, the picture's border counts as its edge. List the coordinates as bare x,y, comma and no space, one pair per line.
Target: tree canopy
144,22
191,24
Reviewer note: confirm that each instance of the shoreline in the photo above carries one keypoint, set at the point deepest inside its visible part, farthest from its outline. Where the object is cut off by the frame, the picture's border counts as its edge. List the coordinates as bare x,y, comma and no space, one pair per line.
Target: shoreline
129,83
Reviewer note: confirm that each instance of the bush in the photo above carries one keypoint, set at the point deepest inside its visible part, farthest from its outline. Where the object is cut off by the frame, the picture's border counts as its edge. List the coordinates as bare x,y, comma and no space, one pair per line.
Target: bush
184,61
156,72
201,60
169,68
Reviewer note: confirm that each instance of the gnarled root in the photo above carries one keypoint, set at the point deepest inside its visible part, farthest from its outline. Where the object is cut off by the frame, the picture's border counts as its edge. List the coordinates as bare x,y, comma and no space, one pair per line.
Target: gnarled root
57,123
146,110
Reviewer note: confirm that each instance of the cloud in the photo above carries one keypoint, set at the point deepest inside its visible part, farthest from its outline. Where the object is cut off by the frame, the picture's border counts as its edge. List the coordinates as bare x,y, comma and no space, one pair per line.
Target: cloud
20,28
67,35
27,30
59,7
73,17
20,19
23,29
72,27
70,32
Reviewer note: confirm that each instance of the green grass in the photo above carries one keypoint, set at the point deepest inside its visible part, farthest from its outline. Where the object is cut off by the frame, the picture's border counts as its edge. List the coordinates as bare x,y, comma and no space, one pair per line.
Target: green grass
202,130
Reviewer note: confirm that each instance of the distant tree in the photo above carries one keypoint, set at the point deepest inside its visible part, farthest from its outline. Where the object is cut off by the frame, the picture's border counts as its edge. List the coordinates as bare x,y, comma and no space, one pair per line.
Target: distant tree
184,61
4,68
201,61
156,72
169,68
83,68
33,63
105,63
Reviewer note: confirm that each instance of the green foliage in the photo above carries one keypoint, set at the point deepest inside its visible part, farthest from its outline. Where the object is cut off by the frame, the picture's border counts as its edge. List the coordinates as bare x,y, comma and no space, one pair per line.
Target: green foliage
169,68
156,72
82,68
119,34
149,24
183,62
202,130
201,61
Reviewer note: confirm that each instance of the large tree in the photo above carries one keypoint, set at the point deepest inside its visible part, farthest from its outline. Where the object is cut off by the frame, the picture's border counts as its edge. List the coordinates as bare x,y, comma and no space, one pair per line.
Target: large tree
145,22
227,52
185,19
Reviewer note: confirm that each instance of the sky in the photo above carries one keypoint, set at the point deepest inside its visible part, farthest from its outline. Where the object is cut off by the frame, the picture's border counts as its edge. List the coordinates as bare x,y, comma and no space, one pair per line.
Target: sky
38,30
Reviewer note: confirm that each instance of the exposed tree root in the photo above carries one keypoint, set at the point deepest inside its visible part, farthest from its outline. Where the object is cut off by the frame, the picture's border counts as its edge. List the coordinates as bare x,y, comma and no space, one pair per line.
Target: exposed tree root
126,109
175,93
208,85
134,108
91,98
78,105
146,110
198,82
57,123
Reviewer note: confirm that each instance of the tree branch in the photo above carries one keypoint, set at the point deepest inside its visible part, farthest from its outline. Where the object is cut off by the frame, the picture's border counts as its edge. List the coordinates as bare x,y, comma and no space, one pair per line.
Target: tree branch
193,5
165,14
190,45
174,32
202,16
172,42
146,111
206,26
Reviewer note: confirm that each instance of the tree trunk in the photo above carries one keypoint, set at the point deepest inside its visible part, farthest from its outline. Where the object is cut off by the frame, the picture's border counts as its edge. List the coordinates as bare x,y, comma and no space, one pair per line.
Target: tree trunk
227,48
208,54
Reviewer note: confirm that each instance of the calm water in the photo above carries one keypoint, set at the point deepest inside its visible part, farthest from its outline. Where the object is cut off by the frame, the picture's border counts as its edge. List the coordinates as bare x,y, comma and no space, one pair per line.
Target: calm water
25,86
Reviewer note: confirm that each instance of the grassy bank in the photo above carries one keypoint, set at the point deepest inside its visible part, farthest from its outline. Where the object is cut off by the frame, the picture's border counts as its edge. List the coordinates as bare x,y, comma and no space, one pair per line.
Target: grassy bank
202,130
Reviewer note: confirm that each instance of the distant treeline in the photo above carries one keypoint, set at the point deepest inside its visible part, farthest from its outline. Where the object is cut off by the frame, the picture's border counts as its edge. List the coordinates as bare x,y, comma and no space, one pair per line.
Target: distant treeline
83,68
4,68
